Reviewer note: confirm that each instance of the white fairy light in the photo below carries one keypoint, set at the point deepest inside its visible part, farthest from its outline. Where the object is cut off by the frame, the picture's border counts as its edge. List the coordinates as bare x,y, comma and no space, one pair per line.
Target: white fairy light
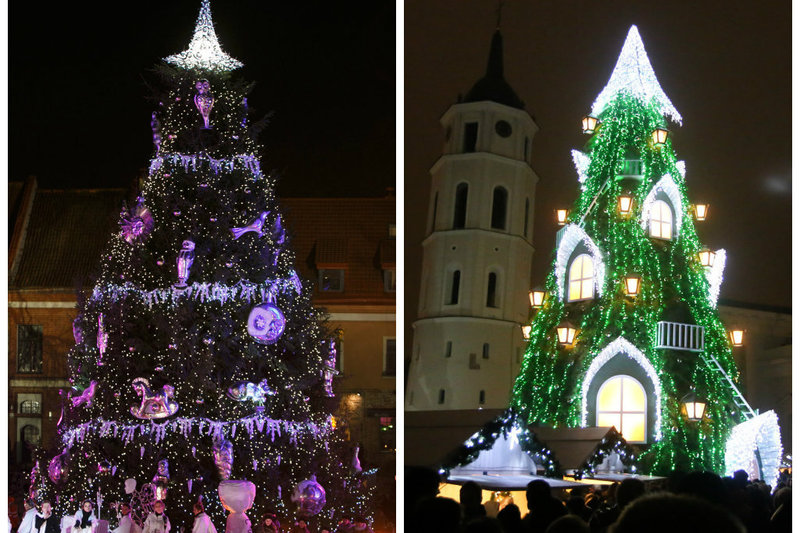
668,187
634,75
621,345
714,276
681,166
760,434
574,235
204,52
581,162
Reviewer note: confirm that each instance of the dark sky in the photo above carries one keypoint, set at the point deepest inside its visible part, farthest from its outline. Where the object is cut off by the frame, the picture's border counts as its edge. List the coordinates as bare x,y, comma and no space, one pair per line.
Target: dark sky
79,108
724,65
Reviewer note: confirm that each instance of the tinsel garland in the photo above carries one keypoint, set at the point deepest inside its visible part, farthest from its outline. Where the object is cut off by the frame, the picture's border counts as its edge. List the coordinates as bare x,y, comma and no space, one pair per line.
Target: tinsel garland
204,292
185,425
249,163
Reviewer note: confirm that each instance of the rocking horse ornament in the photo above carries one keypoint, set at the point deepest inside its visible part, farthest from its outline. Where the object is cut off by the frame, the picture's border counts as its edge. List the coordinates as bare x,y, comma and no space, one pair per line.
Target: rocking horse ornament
154,404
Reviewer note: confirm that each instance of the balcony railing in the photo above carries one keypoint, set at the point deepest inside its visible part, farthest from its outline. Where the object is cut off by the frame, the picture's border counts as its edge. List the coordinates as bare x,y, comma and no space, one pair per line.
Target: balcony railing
677,336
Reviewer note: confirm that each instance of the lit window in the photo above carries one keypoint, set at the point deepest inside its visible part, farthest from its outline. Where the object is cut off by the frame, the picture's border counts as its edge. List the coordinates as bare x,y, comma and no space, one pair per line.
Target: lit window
29,348
581,278
30,407
331,280
660,220
621,403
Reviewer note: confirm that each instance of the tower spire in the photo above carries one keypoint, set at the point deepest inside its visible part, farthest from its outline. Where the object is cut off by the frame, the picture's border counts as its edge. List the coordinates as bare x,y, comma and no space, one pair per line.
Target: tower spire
204,52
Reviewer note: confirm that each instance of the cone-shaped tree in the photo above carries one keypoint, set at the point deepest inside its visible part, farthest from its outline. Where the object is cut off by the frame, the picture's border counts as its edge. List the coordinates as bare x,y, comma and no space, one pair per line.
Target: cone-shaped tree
198,344
634,357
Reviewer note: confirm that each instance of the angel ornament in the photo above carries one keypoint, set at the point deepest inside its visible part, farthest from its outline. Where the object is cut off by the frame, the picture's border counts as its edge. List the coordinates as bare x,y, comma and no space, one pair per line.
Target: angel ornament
203,100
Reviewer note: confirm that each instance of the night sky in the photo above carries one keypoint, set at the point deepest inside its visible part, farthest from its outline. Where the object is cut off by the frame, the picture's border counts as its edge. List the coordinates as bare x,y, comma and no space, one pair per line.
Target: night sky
80,109
725,66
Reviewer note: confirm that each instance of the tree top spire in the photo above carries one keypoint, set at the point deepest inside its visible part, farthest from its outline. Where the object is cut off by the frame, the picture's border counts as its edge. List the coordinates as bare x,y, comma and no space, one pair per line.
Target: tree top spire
204,52
633,74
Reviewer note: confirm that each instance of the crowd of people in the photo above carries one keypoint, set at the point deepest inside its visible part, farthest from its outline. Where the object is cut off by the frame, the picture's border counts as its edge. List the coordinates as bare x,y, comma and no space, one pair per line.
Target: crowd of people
684,502
42,519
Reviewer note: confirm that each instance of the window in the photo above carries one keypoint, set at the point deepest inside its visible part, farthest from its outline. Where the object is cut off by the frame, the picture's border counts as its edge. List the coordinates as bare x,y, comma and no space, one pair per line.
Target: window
31,434
527,148
621,402
386,433
491,290
482,397
660,220
486,350
499,202
470,136
29,348
455,281
581,278
473,362
527,212
448,349
389,280
389,356
441,395
460,211
435,207
331,280
30,407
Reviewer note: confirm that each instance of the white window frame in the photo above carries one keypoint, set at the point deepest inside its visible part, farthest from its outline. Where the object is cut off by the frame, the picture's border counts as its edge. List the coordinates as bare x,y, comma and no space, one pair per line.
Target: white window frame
621,412
586,259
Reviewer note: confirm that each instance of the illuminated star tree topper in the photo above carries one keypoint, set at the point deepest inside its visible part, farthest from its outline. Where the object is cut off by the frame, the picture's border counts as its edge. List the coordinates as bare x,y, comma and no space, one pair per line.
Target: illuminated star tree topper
634,75
204,52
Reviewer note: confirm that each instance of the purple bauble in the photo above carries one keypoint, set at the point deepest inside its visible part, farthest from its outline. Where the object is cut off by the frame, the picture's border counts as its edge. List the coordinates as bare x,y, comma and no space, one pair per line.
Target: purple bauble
266,323
309,497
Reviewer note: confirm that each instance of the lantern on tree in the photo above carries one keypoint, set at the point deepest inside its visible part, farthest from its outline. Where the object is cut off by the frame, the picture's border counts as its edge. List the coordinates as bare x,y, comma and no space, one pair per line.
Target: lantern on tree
526,332
536,296
624,204
693,407
589,124
632,284
737,337
660,136
561,216
706,257
566,333
700,211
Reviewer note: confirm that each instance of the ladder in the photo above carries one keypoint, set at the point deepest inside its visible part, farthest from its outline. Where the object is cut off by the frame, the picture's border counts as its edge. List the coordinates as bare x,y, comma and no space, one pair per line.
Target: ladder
745,410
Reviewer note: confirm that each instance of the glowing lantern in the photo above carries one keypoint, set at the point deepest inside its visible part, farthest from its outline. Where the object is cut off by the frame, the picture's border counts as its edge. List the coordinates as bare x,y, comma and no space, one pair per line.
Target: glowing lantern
693,407
537,297
526,332
700,211
625,203
561,216
706,257
632,284
737,337
566,333
589,124
660,136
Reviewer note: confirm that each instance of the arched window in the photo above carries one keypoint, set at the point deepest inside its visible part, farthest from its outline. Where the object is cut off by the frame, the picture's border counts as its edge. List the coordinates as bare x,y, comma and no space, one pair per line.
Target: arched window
499,201
30,407
455,281
435,207
527,212
581,279
491,290
460,211
661,220
621,402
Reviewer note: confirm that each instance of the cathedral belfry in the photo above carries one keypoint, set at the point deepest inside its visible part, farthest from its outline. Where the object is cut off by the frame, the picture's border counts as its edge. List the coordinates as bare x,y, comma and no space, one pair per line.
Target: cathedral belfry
476,267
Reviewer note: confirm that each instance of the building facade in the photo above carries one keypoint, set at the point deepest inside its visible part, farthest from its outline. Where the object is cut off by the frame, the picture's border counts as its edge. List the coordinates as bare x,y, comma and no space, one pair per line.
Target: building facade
476,268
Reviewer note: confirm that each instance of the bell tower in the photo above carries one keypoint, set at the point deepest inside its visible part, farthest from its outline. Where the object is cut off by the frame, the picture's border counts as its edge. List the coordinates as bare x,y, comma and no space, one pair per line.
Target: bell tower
476,267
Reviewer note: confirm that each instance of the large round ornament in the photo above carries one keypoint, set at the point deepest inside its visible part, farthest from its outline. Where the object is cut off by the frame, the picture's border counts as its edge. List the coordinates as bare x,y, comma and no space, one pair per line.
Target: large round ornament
309,497
266,323
58,469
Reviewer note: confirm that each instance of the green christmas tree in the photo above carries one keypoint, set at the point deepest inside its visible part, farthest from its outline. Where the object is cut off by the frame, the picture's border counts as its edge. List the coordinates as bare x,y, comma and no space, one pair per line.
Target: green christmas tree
199,358
638,354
